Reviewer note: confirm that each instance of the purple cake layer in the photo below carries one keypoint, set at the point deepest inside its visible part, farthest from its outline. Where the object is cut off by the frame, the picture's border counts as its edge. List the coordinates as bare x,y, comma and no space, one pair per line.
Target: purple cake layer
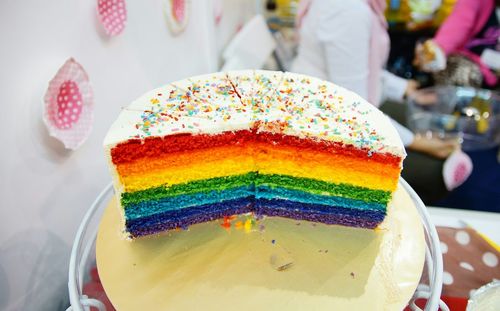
189,216
267,207
318,213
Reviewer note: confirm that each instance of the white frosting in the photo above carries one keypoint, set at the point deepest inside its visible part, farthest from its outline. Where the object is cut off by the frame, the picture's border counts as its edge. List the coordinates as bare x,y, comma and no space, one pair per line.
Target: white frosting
301,105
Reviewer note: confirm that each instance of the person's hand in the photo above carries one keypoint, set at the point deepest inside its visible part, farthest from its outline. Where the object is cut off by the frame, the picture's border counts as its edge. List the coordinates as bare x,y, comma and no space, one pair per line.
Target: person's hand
418,59
429,57
411,87
424,98
438,148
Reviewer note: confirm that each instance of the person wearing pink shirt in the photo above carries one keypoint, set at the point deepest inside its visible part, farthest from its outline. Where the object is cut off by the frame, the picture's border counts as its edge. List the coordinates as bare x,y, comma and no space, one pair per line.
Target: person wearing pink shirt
472,27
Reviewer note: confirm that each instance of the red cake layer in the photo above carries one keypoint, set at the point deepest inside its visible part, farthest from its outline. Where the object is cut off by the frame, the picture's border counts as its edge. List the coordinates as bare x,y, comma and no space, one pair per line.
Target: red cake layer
153,146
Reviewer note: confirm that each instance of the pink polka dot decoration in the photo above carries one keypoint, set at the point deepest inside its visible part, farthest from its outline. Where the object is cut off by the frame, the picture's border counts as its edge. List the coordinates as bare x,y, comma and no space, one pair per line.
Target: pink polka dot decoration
113,15
179,9
218,10
68,105
177,14
456,169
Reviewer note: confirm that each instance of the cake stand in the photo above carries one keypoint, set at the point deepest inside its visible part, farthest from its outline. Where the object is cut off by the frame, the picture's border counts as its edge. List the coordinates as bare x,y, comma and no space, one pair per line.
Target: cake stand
377,258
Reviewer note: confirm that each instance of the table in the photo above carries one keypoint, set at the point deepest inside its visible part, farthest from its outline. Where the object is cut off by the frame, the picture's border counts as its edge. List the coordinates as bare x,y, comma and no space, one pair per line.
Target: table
484,222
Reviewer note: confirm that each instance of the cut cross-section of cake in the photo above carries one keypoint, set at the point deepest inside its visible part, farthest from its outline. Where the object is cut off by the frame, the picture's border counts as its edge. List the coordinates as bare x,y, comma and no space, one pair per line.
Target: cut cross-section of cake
262,142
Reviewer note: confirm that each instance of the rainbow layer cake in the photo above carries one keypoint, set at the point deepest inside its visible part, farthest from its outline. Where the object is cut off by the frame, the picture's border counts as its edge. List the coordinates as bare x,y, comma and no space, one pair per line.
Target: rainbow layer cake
262,142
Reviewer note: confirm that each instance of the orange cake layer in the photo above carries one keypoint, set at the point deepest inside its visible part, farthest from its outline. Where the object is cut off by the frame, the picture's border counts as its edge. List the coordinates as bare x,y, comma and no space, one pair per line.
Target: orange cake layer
219,161
258,150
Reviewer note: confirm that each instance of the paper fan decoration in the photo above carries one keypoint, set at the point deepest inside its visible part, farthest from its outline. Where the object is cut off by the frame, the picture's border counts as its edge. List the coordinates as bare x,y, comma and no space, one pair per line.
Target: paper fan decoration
218,10
177,14
69,105
112,15
456,169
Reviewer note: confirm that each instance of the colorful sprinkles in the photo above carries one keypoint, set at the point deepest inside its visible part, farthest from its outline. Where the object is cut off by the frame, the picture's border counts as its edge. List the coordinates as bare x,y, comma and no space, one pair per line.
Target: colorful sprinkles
297,103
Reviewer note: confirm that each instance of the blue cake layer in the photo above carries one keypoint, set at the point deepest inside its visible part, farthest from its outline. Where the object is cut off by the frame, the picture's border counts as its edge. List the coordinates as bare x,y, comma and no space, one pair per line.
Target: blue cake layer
267,192
187,216
147,208
152,207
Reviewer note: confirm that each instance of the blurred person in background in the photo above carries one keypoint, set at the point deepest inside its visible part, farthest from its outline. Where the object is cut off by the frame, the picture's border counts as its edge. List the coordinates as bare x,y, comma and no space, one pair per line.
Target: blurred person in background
347,43
454,54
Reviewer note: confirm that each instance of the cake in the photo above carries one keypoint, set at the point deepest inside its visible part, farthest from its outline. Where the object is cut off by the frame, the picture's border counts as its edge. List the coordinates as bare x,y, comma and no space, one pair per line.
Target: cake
269,143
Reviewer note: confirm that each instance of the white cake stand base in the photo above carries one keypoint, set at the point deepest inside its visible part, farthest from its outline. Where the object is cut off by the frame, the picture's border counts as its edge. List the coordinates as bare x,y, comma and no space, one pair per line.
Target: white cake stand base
277,264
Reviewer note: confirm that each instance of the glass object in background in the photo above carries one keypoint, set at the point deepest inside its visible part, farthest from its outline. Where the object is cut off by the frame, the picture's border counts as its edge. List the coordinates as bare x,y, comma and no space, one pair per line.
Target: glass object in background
280,17
281,13
286,10
469,114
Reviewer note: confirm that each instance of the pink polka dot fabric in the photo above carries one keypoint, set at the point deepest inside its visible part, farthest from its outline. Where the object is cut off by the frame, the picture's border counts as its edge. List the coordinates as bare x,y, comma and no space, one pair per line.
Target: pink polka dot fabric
469,261
179,10
68,105
177,14
218,10
113,15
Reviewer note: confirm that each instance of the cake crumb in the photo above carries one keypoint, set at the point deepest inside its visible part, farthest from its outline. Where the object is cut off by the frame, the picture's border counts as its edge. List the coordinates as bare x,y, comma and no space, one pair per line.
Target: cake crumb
281,263
238,224
285,266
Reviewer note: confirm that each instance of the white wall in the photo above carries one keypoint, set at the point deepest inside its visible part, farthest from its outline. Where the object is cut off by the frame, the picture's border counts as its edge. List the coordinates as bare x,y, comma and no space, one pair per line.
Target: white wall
44,189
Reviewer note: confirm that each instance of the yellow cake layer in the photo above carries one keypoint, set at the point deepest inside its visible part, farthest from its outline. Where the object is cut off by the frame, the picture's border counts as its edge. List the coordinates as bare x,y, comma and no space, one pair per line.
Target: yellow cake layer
326,172
235,165
267,163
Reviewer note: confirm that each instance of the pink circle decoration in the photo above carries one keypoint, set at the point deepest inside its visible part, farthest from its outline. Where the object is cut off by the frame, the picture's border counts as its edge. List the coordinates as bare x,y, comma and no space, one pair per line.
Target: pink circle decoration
68,105
113,16
177,14
179,10
456,169
218,10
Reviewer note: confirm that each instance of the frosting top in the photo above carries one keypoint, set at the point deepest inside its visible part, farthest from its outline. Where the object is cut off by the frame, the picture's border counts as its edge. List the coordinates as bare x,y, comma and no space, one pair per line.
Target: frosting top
289,103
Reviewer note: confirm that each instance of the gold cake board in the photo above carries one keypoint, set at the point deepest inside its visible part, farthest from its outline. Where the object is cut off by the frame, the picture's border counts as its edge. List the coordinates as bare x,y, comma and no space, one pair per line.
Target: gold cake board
277,264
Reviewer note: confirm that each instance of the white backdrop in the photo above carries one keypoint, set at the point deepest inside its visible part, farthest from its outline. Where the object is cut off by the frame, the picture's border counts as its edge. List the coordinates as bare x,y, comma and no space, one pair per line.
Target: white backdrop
44,189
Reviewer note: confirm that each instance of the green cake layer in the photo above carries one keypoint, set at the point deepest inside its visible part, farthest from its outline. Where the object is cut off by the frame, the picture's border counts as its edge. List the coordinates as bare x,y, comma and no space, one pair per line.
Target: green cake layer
253,178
